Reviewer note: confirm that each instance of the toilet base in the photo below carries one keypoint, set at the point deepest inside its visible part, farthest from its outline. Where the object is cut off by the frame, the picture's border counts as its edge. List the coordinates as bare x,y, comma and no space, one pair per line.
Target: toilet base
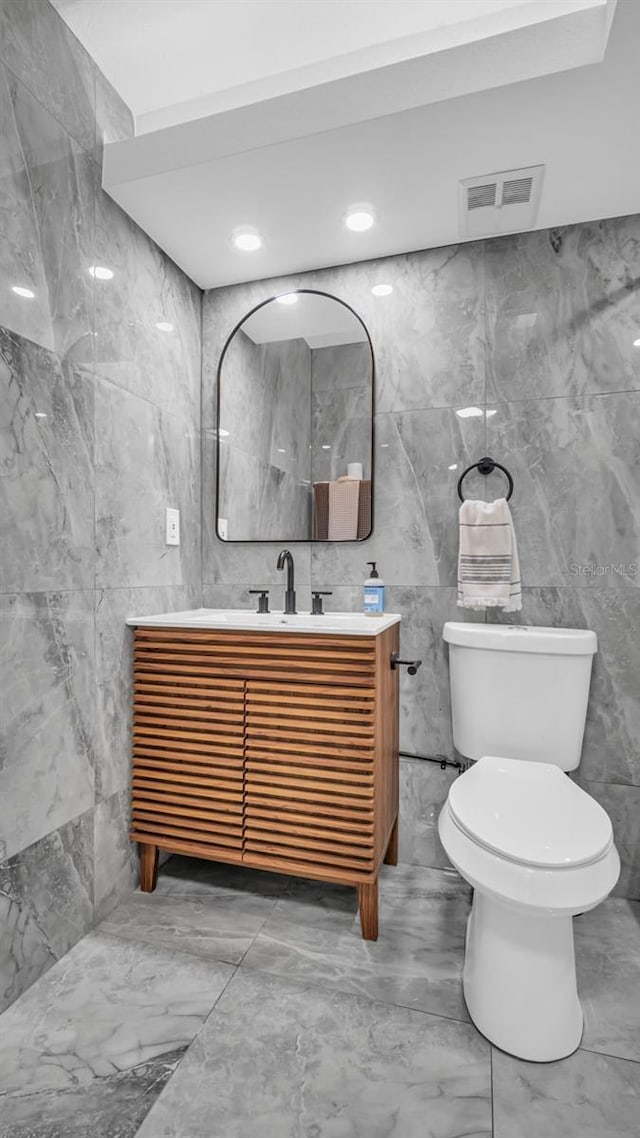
519,979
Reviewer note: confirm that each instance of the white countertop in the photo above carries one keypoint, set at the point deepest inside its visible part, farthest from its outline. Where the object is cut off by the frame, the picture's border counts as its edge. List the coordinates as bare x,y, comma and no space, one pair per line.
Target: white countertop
334,623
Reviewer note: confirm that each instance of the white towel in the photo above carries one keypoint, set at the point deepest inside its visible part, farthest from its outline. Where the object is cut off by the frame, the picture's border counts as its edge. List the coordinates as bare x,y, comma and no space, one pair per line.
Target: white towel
488,567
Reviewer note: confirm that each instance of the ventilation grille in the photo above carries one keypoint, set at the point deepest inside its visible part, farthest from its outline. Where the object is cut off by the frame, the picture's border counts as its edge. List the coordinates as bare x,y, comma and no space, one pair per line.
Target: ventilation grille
500,203
517,191
479,196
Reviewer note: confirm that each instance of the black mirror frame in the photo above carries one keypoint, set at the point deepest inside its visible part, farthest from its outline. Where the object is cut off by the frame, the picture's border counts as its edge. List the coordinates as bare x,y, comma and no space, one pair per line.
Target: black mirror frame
238,326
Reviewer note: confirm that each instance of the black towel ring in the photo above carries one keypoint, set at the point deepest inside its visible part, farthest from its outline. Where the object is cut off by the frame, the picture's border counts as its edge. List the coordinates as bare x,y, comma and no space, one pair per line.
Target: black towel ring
485,466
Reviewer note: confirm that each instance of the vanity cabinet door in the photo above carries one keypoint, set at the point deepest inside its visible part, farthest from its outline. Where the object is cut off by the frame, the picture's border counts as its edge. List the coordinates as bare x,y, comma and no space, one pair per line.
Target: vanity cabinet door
309,789
188,750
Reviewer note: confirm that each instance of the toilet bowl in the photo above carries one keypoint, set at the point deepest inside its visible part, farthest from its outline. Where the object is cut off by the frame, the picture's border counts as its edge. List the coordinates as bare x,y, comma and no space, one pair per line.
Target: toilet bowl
536,848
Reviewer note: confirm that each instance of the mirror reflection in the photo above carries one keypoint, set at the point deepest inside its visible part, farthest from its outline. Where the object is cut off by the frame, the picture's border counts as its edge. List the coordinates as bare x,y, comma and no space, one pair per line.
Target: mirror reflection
294,436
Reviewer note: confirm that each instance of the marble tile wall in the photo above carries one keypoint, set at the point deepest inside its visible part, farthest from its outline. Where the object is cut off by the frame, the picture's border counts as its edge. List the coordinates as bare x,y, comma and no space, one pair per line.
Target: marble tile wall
536,331
99,431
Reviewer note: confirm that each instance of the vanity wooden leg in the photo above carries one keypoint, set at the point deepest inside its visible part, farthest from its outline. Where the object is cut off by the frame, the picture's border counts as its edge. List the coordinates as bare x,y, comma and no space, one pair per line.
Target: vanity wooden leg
148,867
368,906
391,856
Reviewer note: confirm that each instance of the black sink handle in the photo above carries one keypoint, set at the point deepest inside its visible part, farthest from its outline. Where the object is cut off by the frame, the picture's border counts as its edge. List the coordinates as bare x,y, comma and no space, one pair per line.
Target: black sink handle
411,665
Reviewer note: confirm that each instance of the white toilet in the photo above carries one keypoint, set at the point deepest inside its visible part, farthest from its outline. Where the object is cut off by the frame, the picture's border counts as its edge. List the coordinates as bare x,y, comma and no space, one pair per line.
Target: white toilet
535,847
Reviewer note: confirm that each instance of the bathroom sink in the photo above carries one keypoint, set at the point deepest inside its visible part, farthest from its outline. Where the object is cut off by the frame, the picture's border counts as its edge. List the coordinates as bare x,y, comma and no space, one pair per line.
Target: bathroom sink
347,623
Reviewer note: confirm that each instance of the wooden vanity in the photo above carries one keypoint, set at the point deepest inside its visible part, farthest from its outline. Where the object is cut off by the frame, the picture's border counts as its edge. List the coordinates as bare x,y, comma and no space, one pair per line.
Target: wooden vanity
272,748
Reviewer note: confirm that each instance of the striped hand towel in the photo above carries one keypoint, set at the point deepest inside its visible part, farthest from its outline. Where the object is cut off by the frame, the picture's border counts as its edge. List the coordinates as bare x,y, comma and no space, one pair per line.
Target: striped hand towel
488,567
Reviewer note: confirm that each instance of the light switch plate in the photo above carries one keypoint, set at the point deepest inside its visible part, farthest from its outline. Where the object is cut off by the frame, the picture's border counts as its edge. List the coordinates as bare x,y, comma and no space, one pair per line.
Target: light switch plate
172,526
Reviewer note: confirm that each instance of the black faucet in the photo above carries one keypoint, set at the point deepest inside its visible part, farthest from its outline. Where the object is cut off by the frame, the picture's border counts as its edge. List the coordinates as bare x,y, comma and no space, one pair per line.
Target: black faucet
285,557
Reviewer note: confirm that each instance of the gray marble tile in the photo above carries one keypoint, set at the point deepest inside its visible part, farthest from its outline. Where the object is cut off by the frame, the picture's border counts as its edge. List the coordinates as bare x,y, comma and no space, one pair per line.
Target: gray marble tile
561,312
42,51
622,804
190,877
311,1062
147,289
111,1107
425,710
584,1096
114,671
423,791
146,459
608,965
342,367
314,935
46,218
577,487
93,1034
116,859
47,733
610,751
218,925
46,492
46,904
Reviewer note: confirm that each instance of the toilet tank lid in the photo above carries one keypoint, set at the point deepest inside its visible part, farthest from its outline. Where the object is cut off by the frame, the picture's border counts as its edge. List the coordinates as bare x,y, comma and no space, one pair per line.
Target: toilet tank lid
522,638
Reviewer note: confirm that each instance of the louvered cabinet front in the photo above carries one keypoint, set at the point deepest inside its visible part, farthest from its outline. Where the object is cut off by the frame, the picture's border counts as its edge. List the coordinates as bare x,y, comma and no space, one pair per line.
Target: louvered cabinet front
309,791
278,750
188,750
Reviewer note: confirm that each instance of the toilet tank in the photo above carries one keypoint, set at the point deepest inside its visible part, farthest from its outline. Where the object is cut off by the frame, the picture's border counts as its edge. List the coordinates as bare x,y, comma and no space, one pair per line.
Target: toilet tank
519,692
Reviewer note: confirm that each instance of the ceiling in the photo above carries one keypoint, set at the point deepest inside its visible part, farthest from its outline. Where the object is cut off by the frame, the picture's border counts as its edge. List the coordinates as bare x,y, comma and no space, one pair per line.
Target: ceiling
280,114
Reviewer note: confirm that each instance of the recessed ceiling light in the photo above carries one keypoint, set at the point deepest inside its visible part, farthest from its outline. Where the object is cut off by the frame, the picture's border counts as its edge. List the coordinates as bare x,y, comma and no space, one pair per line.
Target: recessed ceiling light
454,466
636,343
360,218
101,273
164,326
25,292
326,446
221,433
246,239
382,289
383,446
40,414
288,298
281,450
490,414
469,412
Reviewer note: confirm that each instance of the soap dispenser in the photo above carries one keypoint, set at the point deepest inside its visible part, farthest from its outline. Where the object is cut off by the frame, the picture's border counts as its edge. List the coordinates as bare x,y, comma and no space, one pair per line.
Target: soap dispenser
373,592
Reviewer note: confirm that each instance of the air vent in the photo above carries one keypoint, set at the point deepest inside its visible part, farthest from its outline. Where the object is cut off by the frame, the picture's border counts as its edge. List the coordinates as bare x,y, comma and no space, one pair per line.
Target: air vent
479,196
506,202
517,191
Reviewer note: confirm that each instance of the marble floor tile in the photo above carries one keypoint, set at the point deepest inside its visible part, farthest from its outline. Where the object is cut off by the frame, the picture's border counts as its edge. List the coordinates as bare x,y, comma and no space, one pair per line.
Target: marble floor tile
584,1096
284,1060
608,964
314,935
197,877
219,925
96,1033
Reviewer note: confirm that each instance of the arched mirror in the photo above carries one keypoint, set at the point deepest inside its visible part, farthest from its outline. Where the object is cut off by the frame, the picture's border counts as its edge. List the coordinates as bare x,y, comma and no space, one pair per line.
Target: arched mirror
295,423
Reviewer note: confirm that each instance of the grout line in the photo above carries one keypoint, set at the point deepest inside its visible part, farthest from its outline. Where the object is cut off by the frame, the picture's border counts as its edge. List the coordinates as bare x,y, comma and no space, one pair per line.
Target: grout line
161,947
608,1055
491,1086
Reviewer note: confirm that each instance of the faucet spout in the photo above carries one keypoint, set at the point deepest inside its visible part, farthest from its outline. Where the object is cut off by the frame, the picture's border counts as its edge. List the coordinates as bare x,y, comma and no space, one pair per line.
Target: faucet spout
286,558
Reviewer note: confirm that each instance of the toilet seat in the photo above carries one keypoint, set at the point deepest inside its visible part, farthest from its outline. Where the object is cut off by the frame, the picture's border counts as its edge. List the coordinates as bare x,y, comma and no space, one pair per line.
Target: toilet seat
530,813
